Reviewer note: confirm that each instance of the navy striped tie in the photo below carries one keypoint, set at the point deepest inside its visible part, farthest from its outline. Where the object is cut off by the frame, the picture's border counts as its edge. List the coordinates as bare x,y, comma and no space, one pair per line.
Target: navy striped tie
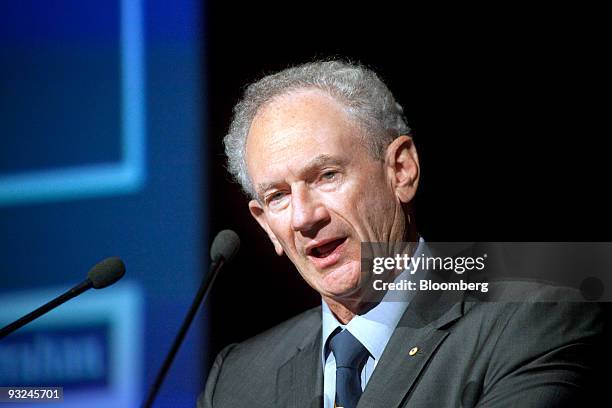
350,357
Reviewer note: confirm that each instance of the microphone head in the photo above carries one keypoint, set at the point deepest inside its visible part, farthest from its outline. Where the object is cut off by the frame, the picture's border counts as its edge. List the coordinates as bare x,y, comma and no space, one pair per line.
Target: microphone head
225,245
106,272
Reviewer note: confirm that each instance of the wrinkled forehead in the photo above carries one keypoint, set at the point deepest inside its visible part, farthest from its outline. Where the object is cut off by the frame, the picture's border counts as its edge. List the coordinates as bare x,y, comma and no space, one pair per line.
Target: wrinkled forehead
294,129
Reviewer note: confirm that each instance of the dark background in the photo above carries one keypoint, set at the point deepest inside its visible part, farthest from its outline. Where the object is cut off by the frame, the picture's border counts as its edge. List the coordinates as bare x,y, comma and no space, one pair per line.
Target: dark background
504,111
505,108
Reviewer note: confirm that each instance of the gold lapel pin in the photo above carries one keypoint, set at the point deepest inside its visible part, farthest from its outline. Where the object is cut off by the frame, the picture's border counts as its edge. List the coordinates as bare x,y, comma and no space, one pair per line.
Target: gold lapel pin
413,351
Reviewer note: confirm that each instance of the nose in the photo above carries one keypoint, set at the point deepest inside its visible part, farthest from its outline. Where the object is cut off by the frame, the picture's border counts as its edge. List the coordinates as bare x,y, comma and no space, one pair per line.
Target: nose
308,213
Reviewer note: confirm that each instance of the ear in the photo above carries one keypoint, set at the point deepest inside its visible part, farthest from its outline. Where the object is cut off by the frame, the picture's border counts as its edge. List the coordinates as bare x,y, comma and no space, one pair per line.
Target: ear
258,213
402,163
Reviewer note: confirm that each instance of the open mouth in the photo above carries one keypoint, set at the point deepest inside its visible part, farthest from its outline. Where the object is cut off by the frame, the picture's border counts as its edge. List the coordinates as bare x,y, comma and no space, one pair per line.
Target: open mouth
324,250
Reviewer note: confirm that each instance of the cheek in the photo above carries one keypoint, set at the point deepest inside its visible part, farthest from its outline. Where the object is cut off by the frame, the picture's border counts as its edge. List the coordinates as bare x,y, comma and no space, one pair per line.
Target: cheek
281,227
373,193
375,214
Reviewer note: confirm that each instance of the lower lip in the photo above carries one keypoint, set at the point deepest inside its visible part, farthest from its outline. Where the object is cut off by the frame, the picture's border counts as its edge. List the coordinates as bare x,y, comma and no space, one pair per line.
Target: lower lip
329,260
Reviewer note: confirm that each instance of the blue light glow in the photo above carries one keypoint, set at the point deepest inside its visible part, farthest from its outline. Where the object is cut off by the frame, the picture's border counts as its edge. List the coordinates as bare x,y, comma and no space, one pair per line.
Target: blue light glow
126,176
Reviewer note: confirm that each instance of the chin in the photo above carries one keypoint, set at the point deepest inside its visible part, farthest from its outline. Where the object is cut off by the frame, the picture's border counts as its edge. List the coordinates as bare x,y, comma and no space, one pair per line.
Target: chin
342,281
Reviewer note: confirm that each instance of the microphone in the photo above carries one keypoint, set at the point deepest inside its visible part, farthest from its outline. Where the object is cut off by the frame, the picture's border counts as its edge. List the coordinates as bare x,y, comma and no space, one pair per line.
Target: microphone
103,274
223,249
225,246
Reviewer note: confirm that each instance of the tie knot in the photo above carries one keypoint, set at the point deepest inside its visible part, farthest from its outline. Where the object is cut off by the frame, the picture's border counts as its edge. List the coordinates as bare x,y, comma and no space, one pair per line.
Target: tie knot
348,351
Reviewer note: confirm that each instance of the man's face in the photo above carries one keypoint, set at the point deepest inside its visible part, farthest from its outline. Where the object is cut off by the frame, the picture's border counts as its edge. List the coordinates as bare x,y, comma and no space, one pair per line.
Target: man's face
321,193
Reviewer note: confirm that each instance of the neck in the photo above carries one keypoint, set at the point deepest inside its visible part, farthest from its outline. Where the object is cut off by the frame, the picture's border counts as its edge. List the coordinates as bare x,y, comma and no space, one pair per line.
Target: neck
343,310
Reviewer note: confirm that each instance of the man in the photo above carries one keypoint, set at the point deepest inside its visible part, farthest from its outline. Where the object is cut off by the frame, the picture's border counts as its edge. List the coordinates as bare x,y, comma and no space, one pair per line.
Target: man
325,154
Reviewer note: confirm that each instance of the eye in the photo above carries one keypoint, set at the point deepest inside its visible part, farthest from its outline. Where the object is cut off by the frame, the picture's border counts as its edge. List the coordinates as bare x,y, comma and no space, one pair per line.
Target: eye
329,175
275,196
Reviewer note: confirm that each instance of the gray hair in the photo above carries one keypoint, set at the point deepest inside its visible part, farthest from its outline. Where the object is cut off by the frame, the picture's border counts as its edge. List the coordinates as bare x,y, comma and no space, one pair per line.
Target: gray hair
362,93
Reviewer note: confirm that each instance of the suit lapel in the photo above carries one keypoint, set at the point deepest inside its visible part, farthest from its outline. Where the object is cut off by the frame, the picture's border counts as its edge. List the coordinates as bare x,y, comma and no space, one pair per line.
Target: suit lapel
419,333
300,380
398,373
423,326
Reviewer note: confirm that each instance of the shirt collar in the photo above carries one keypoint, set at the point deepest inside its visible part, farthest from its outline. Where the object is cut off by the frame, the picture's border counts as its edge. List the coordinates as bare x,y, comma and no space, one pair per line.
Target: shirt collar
374,328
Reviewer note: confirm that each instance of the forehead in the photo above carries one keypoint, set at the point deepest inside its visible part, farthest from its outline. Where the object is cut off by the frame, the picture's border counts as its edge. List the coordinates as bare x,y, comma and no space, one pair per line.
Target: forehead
297,127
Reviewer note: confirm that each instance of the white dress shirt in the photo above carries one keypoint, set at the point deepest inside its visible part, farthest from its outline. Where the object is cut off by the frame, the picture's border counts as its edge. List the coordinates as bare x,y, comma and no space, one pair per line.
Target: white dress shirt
373,329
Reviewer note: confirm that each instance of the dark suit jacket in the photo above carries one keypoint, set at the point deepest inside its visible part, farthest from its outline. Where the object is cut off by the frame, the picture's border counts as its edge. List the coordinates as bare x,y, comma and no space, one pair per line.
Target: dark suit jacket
532,353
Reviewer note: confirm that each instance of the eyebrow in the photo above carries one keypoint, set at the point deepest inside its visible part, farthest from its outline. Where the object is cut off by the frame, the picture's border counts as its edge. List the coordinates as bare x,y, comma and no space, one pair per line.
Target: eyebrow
310,167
